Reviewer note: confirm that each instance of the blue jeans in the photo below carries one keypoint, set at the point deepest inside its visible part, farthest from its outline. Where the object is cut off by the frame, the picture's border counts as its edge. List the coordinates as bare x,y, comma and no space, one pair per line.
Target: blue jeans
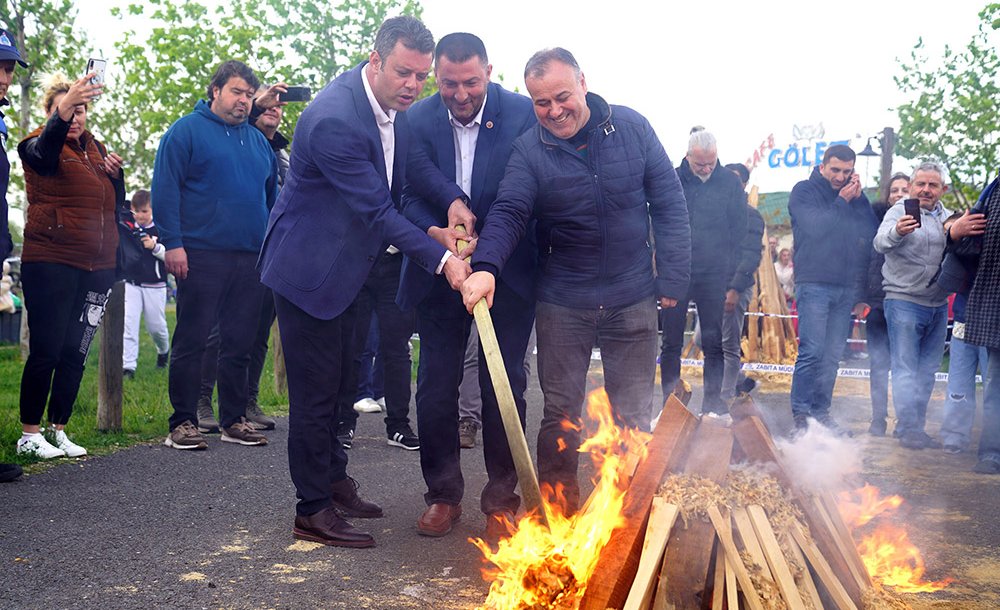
370,381
824,323
916,343
628,341
960,407
989,443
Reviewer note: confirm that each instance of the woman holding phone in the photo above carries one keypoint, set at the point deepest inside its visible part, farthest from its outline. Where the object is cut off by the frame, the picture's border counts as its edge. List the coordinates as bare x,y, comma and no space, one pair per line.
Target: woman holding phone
68,263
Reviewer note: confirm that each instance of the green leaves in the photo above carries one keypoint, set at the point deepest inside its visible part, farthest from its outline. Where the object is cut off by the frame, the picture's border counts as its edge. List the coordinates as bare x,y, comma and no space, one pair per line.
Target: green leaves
952,114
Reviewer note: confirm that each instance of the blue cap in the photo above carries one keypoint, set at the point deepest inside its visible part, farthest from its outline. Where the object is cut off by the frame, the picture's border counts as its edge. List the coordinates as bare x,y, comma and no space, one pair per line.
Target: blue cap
8,50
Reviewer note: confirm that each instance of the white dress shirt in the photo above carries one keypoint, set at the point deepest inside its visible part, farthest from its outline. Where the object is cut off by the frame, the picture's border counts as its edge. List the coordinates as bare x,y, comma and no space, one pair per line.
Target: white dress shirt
466,137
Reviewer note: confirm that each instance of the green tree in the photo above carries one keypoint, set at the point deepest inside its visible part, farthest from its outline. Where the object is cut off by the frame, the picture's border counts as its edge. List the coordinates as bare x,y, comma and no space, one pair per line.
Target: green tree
952,111
45,32
167,71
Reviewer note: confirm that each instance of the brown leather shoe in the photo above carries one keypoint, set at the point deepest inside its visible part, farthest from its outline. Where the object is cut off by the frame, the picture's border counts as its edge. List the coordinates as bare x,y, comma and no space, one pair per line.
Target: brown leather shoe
327,527
344,495
438,519
499,525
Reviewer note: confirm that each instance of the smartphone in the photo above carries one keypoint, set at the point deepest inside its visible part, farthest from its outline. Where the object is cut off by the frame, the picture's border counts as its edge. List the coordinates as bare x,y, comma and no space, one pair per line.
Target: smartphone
912,207
98,66
296,94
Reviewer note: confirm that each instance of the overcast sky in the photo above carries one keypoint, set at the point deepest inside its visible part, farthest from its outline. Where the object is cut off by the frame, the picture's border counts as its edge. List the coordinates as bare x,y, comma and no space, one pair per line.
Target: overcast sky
742,69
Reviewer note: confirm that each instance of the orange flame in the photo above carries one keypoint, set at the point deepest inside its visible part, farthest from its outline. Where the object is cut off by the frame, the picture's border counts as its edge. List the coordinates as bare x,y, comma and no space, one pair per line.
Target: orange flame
548,568
887,552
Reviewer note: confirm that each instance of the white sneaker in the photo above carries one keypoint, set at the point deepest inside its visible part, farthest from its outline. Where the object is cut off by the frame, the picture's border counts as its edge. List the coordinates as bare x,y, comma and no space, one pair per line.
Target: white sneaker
69,447
37,446
367,405
381,402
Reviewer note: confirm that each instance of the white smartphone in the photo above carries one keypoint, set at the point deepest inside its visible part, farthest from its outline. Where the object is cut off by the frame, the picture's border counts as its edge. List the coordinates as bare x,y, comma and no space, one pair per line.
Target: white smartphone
97,66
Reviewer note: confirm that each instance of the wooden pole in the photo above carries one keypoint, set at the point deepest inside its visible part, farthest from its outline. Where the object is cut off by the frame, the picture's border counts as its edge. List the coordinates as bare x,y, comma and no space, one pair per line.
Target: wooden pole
109,367
278,357
888,147
525,468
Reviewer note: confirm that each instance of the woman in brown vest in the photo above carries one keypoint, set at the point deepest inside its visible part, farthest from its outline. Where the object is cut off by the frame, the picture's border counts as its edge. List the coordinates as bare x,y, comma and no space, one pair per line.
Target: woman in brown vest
68,261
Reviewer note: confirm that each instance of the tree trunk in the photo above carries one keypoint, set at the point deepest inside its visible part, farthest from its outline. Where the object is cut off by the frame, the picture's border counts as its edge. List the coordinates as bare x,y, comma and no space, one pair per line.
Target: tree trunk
109,368
278,356
888,146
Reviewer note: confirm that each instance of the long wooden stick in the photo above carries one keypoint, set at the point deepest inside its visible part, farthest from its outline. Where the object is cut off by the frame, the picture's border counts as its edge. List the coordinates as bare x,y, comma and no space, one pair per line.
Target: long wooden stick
725,534
661,519
525,468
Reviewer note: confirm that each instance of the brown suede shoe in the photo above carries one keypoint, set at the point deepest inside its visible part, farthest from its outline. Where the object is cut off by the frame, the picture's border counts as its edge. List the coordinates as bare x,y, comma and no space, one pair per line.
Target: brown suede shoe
344,495
327,527
438,519
499,525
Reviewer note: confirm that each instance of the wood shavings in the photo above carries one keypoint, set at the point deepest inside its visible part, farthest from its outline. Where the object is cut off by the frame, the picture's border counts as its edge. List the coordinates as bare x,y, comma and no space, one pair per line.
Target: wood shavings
880,598
765,587
692,494
746,486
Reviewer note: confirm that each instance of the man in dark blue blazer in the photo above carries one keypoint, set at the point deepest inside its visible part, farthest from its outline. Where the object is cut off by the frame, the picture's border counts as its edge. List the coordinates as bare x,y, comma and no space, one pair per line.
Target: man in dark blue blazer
467,131
335,215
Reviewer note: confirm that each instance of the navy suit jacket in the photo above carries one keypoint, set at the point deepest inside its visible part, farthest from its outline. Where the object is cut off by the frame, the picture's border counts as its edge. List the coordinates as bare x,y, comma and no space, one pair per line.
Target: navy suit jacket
336,214
506,116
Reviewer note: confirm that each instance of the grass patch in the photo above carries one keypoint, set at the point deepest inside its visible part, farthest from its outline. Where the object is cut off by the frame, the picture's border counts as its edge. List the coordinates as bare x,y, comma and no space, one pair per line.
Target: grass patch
145,409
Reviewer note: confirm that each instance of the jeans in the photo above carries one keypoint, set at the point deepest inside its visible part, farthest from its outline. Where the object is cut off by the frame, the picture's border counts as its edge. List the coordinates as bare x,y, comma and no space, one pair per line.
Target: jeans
378,297
824,322
916,341
989,442
566,336
370,383
221,288
708,291
877,334
732,351
66,306
960,406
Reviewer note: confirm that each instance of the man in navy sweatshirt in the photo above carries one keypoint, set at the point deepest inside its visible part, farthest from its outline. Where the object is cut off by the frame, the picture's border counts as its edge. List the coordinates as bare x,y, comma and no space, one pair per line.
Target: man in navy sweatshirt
833,226
214,182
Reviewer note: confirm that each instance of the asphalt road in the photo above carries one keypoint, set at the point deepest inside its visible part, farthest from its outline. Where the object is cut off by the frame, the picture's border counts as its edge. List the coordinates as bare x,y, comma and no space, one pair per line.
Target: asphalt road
155,527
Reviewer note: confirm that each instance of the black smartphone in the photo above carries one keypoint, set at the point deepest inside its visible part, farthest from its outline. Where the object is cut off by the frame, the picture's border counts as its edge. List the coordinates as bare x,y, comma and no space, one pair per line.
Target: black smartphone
296,94
912,207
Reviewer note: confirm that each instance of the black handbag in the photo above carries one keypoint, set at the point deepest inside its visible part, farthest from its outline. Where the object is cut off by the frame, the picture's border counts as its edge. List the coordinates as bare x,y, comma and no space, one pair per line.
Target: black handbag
961,259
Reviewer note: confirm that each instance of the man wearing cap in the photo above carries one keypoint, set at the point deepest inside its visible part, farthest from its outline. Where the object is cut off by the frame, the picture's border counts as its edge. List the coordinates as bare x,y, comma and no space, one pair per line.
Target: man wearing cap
9,56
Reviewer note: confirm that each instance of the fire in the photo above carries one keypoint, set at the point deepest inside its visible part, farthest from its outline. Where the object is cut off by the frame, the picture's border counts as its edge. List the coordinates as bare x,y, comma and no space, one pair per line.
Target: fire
888,554
548,568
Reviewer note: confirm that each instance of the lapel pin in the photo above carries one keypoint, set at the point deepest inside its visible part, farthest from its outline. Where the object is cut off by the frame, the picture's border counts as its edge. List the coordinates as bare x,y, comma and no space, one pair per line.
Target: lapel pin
489,124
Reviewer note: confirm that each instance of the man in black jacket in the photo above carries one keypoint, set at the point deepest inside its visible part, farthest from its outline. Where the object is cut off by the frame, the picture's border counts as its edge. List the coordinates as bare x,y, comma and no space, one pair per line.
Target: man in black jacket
717,210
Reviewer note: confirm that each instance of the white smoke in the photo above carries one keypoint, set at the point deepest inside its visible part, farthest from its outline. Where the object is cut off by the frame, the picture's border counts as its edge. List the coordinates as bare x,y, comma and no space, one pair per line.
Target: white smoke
819,460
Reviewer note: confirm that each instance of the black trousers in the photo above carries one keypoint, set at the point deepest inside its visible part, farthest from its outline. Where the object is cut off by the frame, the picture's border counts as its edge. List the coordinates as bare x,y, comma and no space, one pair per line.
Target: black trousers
708,291
258,352
318,354
444,332
395,327
65,306
222,286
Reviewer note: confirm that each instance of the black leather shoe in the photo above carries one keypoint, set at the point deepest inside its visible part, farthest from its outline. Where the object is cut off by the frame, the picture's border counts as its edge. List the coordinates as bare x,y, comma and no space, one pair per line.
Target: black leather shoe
347,502
327,527
9,472
438,519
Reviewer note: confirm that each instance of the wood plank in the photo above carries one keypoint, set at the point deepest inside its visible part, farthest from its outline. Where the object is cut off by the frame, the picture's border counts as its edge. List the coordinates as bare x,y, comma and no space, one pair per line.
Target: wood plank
748,537
756,443
775,558
719,581
661,519
826,574
840,527
689,553
722,528
616,568
806,579
846,547
732,590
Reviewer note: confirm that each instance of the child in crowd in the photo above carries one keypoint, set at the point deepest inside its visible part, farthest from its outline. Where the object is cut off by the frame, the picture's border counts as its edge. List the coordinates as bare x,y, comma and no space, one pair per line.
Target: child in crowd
145,286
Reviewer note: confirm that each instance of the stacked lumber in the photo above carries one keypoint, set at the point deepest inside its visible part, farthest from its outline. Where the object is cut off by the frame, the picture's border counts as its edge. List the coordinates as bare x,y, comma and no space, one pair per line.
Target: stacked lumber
768,339
725,527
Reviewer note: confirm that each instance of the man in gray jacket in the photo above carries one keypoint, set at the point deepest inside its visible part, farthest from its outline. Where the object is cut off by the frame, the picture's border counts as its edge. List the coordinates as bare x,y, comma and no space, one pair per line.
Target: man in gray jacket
916,308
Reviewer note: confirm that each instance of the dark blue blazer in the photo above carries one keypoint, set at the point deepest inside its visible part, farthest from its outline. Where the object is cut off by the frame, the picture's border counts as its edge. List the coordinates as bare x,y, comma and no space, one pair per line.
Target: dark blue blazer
335,214
506,116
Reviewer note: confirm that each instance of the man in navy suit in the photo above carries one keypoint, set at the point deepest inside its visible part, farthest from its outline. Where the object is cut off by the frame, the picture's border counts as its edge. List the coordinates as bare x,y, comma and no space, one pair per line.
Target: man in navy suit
335,216
467,130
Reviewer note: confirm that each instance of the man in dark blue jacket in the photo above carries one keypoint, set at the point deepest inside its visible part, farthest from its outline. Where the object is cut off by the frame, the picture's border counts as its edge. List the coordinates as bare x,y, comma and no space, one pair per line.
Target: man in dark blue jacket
335,216
594,177
214,181
833,226
467,130
717,212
